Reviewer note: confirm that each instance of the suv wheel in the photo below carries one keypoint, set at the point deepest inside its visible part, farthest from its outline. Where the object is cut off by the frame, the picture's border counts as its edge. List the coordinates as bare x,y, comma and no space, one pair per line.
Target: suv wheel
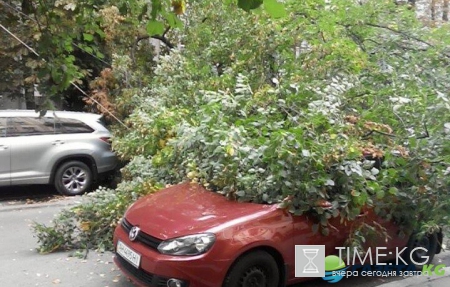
73,178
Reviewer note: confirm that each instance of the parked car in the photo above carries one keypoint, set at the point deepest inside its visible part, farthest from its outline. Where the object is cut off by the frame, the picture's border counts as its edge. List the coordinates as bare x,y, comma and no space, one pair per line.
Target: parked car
188,236
67,149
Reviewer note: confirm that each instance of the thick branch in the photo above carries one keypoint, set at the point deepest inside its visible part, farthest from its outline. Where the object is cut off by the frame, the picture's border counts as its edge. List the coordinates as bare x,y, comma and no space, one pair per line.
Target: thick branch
162,38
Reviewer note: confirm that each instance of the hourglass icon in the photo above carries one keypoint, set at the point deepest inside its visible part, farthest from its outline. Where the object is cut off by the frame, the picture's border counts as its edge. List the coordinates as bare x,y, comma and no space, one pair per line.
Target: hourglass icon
310,267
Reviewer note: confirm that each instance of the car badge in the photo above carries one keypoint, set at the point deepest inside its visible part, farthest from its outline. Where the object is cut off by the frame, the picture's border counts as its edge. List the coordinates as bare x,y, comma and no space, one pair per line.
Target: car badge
133,233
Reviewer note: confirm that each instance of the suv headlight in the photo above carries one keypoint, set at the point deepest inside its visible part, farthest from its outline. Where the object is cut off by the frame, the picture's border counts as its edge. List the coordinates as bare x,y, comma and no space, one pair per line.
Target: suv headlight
188,245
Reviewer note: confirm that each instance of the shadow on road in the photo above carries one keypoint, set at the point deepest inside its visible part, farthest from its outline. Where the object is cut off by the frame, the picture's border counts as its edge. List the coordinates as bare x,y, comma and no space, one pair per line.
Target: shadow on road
26,193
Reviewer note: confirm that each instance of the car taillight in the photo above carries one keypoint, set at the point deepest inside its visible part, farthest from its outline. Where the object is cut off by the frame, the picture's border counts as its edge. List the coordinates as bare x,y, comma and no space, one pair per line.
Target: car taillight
106,140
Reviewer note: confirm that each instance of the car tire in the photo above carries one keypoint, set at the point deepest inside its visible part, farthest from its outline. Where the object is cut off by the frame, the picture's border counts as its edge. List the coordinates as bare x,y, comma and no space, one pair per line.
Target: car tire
254,269
73,178
420,257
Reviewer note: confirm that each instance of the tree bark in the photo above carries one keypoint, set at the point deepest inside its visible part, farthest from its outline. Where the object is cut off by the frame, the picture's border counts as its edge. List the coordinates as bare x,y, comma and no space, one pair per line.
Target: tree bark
433,10
445,10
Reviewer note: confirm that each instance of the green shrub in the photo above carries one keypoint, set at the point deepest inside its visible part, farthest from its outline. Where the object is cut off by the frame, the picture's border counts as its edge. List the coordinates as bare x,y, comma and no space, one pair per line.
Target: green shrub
90,224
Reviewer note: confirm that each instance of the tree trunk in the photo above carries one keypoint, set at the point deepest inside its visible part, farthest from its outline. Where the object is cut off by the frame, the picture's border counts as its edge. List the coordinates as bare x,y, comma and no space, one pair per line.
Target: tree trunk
433,10
445,11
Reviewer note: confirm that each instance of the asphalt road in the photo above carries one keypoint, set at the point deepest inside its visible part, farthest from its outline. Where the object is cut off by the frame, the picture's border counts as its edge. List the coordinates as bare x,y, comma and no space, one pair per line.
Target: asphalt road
22,265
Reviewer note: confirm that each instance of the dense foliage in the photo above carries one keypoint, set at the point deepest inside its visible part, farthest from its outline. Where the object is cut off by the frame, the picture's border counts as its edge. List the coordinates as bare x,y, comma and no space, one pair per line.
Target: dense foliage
56,44
344,102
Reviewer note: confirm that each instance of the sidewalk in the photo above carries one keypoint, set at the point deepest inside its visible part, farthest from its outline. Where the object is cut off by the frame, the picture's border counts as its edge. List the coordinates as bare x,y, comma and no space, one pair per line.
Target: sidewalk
428,281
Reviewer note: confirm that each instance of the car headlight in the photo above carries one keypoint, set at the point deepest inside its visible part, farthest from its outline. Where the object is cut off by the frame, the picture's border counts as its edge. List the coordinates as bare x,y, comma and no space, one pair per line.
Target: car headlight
188,245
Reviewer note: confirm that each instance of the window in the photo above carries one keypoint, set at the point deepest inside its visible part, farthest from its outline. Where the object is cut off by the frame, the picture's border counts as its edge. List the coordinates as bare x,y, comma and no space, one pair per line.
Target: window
29,126
71,126
3,127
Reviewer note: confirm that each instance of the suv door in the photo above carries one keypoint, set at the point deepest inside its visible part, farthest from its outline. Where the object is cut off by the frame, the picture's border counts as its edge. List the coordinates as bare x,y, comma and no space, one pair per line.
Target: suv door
5,154
31,149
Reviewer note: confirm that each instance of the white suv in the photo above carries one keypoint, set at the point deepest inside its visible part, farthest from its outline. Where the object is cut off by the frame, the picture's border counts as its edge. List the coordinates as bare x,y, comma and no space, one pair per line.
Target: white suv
67,149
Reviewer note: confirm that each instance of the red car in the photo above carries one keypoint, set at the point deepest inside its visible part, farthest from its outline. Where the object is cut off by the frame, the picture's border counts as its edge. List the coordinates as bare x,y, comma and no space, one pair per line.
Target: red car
188,236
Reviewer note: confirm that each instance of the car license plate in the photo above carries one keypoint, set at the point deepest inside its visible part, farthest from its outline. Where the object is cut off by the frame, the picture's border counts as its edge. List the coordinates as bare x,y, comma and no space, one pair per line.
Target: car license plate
129,254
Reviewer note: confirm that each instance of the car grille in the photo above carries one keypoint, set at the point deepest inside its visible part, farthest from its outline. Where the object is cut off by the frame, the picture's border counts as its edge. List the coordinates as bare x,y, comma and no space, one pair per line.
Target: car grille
143,276
142,237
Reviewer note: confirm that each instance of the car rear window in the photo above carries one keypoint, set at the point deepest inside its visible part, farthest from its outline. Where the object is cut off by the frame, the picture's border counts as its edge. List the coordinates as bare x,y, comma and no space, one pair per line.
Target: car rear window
72,126
104,122
2,127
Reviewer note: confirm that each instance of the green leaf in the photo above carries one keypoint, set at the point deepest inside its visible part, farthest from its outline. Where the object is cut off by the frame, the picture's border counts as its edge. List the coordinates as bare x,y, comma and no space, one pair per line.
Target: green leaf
248,5
88,37
88,49
173,20
100,33
155,28
156,8
380,194
274,8
56,76
99,55
393,191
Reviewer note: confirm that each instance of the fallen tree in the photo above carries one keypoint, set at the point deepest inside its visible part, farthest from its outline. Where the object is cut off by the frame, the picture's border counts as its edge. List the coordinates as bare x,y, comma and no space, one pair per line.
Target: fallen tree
345,103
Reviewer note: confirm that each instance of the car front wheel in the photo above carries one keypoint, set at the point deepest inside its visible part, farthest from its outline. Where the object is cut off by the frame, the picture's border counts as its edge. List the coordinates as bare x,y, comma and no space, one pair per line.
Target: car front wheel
256,269
73,178
421,249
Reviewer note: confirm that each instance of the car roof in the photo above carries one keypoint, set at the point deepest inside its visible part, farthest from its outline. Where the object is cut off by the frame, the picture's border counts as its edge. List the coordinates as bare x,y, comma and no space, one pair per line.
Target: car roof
61,114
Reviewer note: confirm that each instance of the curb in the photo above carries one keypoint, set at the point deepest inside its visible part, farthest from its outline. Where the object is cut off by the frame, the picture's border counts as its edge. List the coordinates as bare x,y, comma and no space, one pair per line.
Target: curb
420,280
67,201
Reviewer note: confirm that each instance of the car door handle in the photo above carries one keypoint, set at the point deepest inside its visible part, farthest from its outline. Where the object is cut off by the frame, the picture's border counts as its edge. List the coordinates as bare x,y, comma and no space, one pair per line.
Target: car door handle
3,147
58,142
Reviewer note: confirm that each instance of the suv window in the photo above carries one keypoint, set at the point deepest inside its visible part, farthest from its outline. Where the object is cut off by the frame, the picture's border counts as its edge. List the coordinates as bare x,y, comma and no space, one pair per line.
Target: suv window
104,122
28,126
3,127
72,126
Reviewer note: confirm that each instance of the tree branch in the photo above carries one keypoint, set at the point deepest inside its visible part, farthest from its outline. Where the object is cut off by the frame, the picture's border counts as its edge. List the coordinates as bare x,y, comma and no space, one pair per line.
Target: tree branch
423,136
426,134
364,137
400,33
165,31
162,38
356,39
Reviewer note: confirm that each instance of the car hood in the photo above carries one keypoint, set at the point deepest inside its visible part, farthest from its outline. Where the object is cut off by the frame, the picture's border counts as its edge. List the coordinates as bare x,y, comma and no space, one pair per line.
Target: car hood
187,208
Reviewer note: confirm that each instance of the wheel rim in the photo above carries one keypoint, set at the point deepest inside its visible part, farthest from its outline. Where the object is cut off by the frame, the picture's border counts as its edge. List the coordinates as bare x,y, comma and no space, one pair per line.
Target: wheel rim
74,179
423,242
254,277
